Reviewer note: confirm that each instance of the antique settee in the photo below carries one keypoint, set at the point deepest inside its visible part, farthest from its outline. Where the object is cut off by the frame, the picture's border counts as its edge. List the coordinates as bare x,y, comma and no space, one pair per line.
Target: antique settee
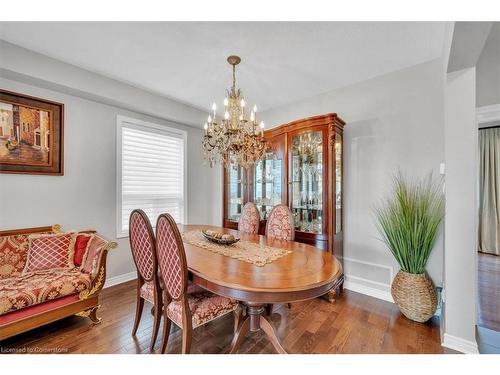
29,300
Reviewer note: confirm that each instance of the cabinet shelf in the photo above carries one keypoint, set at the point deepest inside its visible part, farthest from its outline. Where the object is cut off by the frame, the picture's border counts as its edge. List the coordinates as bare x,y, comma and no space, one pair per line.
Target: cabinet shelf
313,208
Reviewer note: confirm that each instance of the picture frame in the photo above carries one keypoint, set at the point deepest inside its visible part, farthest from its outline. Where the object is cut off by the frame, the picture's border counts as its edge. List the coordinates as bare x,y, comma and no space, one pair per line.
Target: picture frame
31,135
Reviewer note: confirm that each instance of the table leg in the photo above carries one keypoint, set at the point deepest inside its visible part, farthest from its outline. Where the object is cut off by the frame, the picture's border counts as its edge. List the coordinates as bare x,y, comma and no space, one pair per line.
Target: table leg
239,336
254,322
271,335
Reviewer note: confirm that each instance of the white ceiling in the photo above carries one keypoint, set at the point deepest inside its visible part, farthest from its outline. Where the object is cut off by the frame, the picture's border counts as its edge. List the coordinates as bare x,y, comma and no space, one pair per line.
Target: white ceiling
282,62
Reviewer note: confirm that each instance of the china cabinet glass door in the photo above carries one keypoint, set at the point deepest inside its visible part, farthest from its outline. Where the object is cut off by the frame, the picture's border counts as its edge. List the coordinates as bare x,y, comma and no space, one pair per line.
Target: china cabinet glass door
338,183
235,192
307,181
268,184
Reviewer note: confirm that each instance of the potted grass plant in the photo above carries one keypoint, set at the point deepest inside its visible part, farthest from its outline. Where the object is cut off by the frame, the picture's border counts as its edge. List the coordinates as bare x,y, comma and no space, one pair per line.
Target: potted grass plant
409,222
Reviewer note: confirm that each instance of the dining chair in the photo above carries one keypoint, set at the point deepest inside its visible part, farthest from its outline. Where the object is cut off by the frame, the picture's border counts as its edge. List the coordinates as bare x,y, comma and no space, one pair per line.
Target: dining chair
249,219
280,226
187,310
143,246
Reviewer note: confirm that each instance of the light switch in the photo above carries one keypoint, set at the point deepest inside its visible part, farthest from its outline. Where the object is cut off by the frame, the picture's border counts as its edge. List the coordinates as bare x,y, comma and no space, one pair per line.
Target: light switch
442,169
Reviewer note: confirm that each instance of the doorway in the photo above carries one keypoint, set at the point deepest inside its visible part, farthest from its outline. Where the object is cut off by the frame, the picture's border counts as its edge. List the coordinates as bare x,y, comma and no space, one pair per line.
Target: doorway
488,262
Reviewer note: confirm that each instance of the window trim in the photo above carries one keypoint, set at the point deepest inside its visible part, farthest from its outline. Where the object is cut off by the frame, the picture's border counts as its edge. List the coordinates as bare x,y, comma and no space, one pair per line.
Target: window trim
123,121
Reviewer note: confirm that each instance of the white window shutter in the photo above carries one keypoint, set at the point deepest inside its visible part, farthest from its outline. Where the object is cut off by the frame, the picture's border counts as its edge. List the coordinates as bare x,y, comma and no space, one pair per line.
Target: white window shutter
152,173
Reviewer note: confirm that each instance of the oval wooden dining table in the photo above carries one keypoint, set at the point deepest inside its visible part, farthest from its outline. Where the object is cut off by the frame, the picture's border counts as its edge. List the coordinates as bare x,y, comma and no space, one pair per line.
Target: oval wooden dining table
306,273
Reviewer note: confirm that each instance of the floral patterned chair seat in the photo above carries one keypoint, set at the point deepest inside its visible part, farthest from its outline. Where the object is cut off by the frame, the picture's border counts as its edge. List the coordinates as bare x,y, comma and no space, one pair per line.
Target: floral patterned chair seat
147,290
41,286
205,307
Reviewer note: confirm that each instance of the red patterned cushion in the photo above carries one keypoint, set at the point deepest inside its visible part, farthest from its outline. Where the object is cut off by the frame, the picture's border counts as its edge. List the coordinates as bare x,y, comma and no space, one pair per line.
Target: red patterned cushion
49,251
141,244
96,245
40,286
168,249
249,220
205,306
82,242
13,252
280,224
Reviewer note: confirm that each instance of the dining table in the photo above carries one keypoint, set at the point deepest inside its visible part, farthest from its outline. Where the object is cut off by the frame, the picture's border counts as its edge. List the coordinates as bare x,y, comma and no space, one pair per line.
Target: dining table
305,272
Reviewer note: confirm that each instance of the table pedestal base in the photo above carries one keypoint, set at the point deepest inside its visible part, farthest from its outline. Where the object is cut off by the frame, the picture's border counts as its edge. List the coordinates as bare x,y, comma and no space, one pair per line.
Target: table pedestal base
254,321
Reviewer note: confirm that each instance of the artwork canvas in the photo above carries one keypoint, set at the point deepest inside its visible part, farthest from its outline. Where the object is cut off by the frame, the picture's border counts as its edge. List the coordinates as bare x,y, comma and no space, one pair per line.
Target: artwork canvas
31,135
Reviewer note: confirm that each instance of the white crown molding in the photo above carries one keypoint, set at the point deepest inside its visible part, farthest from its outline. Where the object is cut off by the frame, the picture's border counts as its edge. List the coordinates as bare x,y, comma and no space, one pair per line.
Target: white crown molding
120,279
488,113
460,344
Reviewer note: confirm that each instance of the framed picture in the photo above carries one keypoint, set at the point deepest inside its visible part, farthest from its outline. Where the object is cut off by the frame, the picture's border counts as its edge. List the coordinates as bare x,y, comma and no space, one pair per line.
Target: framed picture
31,135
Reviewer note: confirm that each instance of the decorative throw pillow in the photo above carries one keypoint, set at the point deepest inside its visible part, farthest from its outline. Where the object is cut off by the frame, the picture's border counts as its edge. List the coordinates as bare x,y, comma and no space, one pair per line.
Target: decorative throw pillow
50,251
82,244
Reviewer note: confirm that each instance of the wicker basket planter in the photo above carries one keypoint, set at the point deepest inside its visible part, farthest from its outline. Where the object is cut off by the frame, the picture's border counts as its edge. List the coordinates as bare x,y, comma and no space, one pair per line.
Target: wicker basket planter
415,296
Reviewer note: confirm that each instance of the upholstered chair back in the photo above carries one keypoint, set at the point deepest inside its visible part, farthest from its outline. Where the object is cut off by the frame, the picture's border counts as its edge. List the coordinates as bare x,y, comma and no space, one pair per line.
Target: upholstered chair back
280,224
142,243
171,256
249,220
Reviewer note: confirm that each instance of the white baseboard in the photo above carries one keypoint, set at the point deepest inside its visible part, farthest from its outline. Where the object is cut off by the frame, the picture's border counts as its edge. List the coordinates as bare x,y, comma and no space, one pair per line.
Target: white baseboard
459,344
120,279
351,284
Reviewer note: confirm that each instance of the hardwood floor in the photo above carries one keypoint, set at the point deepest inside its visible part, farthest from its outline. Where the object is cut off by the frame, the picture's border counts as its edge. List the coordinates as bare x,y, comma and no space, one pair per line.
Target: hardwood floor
354,324
489,291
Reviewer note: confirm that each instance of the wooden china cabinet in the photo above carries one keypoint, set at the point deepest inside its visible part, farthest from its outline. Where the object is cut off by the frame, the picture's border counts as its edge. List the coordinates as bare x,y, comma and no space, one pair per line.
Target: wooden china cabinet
303,170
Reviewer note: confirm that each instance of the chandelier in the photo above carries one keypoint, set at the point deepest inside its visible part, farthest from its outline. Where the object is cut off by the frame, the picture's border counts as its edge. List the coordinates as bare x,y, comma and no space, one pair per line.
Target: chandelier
234,138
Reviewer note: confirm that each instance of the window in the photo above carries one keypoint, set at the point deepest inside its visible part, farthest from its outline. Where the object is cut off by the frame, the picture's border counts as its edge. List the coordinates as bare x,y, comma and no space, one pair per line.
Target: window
151,170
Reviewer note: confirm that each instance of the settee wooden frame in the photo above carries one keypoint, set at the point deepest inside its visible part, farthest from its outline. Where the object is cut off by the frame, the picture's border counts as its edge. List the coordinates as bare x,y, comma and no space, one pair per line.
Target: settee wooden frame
86,305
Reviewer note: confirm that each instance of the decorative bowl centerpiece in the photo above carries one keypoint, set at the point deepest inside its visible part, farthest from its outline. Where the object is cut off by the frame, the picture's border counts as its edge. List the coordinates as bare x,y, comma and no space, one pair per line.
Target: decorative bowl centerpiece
219,238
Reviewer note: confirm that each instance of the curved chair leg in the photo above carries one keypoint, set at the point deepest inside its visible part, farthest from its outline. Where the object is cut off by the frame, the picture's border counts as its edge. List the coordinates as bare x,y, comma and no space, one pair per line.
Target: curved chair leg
156,327
186,339
187,326
166,331
138,314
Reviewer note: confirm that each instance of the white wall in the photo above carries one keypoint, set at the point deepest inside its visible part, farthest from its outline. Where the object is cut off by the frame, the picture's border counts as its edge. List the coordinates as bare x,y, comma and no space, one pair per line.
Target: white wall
461,212
393,121
488,70
85,196
33,68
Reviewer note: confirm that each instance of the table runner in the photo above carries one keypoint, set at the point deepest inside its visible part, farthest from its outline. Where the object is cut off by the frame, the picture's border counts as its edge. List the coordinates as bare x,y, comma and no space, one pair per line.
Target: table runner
246,251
